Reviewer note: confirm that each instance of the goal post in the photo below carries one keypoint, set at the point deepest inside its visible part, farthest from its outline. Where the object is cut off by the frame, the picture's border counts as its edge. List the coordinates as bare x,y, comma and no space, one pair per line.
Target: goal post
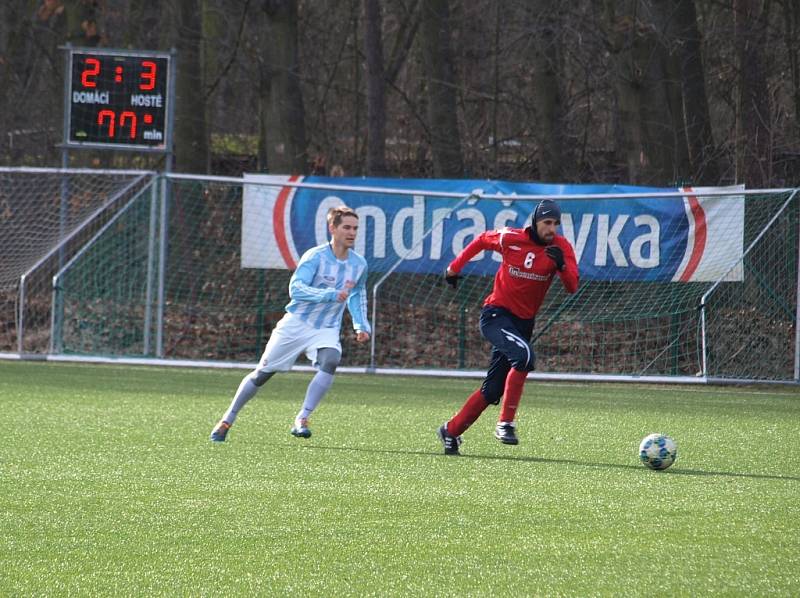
46,215
145,200
676,284
637,313
754,324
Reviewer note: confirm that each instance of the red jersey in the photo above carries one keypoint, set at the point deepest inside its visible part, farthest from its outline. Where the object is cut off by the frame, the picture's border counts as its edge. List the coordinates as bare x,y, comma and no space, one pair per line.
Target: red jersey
526,272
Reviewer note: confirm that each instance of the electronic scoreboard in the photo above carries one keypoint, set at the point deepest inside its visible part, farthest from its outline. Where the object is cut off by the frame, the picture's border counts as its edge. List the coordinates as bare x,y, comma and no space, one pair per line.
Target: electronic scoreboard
118,99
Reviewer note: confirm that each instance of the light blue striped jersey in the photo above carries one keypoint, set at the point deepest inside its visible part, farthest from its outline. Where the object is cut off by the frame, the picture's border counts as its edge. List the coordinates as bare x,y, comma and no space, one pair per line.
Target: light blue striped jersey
319,277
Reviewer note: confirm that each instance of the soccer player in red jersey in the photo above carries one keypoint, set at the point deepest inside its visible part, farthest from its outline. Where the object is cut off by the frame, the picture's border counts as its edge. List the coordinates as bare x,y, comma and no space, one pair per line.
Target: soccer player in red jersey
531,259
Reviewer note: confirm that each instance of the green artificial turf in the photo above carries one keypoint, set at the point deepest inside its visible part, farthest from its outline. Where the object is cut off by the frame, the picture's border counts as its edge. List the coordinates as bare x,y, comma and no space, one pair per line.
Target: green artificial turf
109,485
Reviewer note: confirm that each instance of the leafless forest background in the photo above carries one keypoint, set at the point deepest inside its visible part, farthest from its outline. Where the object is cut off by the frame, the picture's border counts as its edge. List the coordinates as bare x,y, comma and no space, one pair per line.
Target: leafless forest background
642,92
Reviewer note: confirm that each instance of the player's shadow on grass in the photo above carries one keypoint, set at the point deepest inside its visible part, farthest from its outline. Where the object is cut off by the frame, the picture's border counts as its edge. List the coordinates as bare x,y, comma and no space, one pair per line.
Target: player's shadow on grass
671,471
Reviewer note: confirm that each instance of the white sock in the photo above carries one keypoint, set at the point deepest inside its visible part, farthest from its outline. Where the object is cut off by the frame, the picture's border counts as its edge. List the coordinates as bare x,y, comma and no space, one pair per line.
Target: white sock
244,393
317,388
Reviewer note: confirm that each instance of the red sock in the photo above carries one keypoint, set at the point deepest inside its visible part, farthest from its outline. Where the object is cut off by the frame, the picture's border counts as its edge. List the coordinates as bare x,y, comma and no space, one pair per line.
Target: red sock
515,381
470,411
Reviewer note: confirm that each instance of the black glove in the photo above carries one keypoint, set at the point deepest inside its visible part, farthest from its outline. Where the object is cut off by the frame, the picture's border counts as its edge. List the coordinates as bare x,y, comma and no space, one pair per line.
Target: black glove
451,279
555,253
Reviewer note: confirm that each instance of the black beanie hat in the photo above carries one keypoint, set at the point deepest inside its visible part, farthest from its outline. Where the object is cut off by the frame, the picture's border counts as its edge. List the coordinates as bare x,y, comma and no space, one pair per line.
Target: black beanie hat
547,208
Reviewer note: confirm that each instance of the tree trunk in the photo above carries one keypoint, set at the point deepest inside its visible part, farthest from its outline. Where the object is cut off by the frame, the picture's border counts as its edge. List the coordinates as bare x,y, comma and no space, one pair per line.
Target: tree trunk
791,25
542,18
647,95
662,16
143,25
753,118
82,23
700,138
191,141
281,103
213,20
376,89
358,148
407,32
14,62
791,32
441,90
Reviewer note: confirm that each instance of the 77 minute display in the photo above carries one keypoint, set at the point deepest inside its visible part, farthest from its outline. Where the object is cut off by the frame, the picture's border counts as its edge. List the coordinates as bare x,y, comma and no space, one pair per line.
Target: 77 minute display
118,100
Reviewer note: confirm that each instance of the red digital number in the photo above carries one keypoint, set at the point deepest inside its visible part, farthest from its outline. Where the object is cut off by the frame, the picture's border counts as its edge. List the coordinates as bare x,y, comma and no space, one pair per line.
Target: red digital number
107,114
126,117
92,70
127,114
148,76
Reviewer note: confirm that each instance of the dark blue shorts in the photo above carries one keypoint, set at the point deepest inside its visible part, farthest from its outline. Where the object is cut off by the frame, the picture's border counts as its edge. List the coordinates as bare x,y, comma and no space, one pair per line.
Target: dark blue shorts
510,337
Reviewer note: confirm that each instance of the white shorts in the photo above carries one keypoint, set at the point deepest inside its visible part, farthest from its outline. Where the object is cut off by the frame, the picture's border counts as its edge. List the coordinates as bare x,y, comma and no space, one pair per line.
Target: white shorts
290,338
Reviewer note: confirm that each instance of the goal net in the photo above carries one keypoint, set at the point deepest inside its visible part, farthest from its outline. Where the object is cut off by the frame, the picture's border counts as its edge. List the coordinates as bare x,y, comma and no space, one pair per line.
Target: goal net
674,284
45,216
708,293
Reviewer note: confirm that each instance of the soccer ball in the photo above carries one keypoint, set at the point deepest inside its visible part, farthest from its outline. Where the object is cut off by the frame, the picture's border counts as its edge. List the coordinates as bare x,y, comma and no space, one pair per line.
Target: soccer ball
658,451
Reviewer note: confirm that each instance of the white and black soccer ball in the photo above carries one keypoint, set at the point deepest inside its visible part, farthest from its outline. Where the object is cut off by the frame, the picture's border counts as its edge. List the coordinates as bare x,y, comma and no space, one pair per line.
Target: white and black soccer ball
658,451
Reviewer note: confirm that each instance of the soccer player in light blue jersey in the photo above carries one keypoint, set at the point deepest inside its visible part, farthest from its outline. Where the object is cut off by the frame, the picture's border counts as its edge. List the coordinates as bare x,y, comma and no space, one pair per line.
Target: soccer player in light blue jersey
328,278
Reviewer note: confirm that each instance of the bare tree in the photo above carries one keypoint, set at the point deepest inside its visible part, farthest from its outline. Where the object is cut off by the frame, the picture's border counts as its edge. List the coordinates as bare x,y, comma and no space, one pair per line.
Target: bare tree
651,136
143,25
82,23
634,91
662,15
14,64
687,44
213,26
282,116
407,24
376,89
791,35
402,22
753,115
32,70
191,140
543,21
441,90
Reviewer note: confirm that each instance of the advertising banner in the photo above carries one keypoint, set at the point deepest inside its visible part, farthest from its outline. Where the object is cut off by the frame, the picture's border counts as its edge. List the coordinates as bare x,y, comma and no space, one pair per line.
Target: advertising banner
693,238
